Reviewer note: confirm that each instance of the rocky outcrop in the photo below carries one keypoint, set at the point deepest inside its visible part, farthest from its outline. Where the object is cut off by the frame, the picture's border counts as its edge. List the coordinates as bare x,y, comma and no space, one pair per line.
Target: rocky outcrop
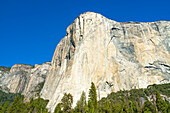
113,55
24,79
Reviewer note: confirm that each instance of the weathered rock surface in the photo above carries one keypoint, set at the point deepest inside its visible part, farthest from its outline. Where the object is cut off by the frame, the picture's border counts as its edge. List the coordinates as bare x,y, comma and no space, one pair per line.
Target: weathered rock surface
24,79
113,55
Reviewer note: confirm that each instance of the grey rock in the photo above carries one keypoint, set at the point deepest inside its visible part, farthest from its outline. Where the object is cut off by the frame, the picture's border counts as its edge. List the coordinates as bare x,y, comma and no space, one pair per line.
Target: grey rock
114,55
25,79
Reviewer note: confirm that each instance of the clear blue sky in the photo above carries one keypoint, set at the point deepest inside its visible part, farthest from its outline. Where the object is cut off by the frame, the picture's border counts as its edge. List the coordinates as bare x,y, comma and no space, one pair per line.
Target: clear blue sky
31,29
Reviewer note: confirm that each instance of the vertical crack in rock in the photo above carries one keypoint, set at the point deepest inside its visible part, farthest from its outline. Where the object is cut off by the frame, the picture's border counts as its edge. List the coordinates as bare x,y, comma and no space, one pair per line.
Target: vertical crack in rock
113,55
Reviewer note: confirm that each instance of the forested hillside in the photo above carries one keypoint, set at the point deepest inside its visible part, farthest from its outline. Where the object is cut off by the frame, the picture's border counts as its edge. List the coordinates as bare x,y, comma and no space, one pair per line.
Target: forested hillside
7,97
153,99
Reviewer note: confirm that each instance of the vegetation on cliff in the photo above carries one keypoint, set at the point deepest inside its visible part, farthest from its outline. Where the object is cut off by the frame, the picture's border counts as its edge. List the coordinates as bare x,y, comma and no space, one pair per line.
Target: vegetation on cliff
153,99
4,97
5,69
19,106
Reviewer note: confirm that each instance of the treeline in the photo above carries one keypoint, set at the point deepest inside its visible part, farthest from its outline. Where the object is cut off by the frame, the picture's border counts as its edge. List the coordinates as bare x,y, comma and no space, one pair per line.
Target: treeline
19,106
146,100
153,99
4,97
5,69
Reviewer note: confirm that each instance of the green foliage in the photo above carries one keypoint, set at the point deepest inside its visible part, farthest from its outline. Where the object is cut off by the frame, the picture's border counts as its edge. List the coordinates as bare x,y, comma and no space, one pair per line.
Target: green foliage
0,109
92,100
5,69
148,107
131,101
81,104
160,103
162,88
39,87
58,108
66,104
18,106
38,105
119,102
124,106
4,97
5,107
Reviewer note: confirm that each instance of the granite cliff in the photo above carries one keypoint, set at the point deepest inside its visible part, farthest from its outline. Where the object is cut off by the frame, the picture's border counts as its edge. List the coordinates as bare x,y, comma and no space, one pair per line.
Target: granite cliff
25,79
114,55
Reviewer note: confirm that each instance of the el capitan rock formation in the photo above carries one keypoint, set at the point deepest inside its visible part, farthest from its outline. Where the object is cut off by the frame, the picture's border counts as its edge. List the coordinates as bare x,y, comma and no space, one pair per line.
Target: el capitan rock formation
114,55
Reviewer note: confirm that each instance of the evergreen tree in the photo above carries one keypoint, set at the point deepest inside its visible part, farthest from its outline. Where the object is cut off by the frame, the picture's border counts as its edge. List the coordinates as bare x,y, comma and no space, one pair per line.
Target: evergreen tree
5,107
77,109
134,107
58,108
148,107
30,106
117,108
124,106
93,96
168,109
160,103
0,108
67,102
91,108
130,110
20,106
147,92
107,107
38,105
81,104
13,107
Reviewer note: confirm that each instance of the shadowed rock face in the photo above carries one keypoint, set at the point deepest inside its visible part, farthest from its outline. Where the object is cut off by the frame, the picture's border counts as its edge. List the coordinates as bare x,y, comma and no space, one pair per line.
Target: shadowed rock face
24,79
113,55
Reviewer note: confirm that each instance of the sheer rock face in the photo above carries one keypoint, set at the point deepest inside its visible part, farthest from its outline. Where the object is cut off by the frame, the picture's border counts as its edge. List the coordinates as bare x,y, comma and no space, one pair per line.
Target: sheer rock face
24,79
114,55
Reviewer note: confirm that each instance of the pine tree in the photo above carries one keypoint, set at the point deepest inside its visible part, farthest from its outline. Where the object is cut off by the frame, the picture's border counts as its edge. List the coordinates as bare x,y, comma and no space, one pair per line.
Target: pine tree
38,105
160,103
130,107
58,108
77,109
82,103
148,107
13,107
0,108
134,107
93,96
117,108
107,107
91,107
168,109
124,106
30,106
20,106
5,107
67,102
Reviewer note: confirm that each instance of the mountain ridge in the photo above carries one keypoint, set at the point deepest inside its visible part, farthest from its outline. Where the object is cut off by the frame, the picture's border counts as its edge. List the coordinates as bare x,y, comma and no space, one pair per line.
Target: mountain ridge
114,55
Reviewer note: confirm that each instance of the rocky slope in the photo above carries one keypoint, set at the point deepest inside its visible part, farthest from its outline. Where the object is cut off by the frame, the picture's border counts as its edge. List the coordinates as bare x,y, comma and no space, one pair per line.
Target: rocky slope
113,55
24,79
